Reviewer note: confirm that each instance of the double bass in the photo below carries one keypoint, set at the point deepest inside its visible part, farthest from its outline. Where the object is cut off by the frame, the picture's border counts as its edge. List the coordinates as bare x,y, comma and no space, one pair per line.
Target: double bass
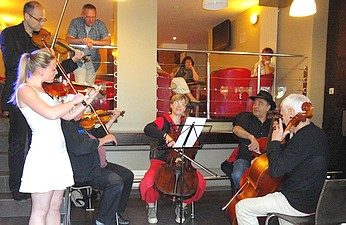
257,182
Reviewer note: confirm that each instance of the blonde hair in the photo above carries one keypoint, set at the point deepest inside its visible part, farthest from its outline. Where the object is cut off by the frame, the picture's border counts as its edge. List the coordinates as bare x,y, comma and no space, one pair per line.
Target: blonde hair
28,64
179,97
295,101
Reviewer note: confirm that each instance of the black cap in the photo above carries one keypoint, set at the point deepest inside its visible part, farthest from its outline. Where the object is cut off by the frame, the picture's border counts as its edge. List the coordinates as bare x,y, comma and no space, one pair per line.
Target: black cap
266,96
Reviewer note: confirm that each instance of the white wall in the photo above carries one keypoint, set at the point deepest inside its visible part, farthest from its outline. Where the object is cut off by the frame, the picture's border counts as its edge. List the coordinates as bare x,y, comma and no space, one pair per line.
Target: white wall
306,36
137,40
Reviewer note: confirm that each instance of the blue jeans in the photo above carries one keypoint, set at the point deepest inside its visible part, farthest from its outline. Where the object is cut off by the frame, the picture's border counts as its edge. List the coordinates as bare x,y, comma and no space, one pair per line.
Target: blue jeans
127,177
111,185
240,165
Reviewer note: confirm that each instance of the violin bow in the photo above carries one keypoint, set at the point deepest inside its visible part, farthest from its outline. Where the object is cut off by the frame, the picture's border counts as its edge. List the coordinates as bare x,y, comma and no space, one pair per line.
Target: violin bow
55,36
63,70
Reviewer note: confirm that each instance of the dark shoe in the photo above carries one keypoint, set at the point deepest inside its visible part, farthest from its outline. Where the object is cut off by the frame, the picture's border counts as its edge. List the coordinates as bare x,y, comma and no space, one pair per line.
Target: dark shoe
122,220
18,196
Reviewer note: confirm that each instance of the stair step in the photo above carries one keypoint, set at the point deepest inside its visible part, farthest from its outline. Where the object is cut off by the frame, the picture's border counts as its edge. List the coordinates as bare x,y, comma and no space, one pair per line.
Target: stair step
12,208
4,187
4,125
3,161
4,142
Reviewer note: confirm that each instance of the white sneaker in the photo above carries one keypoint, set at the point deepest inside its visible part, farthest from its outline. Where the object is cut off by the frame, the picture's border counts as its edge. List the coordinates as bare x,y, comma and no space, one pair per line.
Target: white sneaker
152,218
177,213
98,222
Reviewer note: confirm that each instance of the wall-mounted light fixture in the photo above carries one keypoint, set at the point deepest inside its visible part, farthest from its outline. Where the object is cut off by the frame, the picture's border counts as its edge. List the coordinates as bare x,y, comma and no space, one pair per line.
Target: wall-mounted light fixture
300,8
214,4
254,18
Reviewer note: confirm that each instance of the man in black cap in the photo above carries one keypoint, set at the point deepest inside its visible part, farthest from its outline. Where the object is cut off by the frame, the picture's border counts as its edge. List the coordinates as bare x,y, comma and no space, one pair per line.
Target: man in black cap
249,126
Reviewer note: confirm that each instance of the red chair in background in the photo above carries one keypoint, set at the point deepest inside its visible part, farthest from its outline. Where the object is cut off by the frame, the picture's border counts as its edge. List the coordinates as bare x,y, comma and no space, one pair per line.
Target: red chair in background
229,92
163,93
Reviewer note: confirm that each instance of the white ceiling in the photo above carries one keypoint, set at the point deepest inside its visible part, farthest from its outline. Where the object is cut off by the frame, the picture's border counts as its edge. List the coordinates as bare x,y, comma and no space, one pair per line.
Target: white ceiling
184,19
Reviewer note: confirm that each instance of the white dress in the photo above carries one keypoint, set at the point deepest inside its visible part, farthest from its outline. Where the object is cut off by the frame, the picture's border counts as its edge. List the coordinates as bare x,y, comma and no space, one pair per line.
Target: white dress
47,166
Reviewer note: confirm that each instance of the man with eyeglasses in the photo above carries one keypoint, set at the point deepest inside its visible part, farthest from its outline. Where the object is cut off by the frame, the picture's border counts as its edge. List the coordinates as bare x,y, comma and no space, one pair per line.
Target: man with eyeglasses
15,41
90,31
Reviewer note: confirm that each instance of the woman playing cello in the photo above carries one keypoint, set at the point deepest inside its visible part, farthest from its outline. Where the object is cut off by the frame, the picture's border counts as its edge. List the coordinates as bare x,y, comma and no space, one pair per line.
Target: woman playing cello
161,130
302,162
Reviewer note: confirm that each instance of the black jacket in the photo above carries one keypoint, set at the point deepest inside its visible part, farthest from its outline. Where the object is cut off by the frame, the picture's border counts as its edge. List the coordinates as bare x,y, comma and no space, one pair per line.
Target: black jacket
14,42
303,162
82,150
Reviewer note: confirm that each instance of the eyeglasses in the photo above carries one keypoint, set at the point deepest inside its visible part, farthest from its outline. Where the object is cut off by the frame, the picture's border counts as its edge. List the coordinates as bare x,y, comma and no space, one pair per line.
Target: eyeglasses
40,20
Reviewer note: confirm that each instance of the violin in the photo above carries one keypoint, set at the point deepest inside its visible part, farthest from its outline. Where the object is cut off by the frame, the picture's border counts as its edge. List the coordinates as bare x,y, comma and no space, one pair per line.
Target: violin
89,120
60,89
43,38
171,181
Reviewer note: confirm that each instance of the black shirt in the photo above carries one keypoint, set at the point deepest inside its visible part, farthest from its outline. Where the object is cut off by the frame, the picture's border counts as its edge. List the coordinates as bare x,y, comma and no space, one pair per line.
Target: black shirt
14,42
82,150
303,163
249,122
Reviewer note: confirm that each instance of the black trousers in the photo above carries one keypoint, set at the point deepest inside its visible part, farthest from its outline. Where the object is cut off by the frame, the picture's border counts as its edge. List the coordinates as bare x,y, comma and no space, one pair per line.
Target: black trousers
18,137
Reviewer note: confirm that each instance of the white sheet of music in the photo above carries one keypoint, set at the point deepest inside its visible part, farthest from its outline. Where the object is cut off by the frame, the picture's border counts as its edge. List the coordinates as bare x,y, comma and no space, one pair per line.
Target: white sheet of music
195,132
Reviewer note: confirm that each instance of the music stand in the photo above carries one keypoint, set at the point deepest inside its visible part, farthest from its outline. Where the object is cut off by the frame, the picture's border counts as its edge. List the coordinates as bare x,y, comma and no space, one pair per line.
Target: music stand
189,135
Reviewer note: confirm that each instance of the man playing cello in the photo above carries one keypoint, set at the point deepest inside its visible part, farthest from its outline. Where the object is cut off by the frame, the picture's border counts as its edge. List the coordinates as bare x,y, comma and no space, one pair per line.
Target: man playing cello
249,127
302,162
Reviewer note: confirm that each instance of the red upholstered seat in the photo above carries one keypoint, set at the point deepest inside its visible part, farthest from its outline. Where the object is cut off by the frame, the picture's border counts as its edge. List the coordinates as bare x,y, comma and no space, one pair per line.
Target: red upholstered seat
229,91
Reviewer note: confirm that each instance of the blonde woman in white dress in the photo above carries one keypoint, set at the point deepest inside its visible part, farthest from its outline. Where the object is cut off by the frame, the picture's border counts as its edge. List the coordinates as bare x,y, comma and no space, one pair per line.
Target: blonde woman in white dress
47,170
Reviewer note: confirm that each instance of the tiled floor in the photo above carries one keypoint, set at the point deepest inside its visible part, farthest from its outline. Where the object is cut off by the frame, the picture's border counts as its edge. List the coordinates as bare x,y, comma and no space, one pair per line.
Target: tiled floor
207,212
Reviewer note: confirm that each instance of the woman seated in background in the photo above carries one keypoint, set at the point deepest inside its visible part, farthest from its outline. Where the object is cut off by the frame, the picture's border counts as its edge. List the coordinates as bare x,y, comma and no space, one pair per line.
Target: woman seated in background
184,75
265,63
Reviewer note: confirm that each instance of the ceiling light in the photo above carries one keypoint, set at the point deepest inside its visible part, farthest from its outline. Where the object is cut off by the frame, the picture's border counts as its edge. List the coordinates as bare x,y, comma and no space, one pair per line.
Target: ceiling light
215,4
301,8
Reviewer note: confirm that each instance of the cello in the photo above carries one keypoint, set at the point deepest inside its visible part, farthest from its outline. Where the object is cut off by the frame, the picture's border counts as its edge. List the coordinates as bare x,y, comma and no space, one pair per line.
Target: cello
257,182
177,177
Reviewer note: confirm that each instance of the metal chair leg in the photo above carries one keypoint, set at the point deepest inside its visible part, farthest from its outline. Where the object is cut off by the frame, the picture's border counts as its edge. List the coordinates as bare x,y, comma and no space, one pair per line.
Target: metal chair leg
89,191
117,218
193,210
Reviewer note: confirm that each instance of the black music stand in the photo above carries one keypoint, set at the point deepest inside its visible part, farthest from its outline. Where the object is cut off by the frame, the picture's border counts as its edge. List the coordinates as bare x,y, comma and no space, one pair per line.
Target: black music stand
189,135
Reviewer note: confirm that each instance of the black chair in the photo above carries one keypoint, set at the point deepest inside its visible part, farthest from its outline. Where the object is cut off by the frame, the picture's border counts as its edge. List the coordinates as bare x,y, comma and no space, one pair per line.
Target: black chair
89,190
331,207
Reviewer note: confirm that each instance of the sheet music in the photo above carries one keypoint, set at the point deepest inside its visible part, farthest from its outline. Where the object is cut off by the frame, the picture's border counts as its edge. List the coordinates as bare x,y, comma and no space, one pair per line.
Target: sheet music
196,131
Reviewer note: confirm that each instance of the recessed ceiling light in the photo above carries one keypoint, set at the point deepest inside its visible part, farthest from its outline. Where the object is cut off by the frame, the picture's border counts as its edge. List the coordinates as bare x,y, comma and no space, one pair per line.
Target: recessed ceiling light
174,38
